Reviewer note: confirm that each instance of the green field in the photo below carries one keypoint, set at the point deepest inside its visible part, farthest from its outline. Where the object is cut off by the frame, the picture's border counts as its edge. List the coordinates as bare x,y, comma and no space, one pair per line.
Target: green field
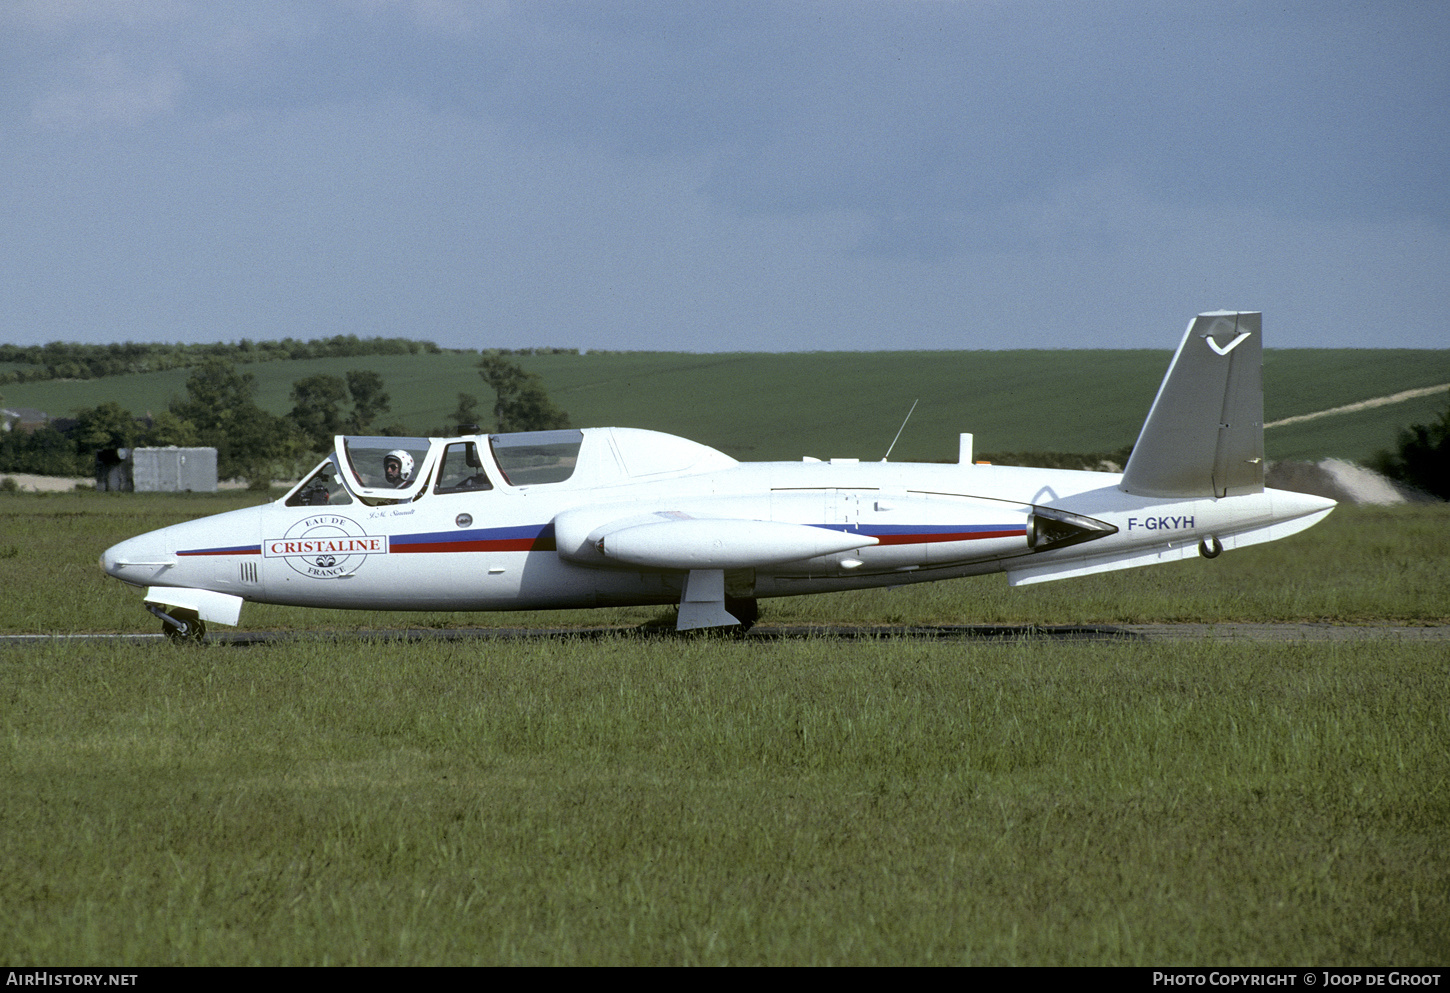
850,404
661,800
639,802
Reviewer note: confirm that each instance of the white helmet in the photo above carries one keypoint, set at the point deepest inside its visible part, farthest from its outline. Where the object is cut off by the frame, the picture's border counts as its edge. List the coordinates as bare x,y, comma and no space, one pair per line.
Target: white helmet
405,464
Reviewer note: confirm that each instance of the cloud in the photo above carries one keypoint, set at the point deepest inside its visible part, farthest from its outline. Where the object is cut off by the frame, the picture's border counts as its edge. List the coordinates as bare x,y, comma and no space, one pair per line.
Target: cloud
449,17
706,175
57,16
110,92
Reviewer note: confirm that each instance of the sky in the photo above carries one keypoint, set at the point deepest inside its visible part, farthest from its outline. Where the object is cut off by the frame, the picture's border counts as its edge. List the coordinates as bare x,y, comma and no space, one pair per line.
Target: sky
724,175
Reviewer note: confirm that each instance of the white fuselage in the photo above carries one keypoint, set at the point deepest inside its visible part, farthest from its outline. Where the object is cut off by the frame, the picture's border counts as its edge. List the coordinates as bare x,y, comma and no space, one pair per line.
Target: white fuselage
539,546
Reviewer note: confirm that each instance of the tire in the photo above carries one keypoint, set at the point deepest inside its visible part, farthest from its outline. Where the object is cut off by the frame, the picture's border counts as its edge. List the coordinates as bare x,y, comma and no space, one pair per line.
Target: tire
191,631
746,610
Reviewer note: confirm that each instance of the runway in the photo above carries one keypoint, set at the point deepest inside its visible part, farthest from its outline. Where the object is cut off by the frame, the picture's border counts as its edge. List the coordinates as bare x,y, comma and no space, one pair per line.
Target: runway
1279,633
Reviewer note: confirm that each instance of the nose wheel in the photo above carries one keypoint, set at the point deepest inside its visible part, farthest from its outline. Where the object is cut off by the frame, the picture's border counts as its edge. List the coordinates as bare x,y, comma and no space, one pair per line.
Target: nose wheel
179,625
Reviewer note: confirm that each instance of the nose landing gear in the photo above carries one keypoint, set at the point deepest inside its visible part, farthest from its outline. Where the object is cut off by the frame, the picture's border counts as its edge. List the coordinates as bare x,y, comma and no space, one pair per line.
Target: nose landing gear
180,625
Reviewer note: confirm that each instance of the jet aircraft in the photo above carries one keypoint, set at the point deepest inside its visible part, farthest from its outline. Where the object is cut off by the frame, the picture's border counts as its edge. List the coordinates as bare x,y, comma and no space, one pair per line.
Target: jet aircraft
612,516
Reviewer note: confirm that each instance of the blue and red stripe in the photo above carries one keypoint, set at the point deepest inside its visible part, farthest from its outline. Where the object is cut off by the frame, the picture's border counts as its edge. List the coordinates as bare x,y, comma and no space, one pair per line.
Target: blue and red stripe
540,538
528,538
233,550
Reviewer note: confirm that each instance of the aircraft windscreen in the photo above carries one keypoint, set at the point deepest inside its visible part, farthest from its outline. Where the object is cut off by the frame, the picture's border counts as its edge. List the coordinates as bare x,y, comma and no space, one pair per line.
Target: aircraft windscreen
322,489
530,457
378,463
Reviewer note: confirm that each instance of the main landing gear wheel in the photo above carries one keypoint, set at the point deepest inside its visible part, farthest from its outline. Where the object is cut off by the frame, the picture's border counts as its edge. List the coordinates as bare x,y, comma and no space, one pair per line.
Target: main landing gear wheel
746,610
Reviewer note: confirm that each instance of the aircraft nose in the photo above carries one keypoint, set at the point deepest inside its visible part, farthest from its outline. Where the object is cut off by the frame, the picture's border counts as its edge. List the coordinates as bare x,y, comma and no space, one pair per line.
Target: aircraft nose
112,558
138,560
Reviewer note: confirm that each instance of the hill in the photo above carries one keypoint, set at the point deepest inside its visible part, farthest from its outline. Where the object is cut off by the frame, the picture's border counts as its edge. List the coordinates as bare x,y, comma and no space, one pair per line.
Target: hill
849,404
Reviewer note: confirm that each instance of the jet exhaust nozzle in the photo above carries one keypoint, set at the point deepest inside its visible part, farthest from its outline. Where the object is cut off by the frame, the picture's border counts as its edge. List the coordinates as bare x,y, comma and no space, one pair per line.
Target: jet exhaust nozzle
1051,528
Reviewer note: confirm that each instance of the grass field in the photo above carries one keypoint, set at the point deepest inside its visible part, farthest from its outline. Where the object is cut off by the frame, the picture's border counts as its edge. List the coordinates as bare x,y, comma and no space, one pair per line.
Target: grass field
646,800
764,406
712,802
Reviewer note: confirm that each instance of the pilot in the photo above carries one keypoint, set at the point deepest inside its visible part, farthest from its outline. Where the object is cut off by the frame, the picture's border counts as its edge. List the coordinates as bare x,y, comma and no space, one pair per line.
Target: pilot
398,468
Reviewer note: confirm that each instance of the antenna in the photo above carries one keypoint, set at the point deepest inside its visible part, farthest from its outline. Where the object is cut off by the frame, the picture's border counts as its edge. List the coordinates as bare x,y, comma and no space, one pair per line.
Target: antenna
901,429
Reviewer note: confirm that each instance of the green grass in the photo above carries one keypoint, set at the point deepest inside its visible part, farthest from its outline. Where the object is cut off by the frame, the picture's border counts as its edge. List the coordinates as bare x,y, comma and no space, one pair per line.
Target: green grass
715,802
1303,380
661,801
840,404
1355,436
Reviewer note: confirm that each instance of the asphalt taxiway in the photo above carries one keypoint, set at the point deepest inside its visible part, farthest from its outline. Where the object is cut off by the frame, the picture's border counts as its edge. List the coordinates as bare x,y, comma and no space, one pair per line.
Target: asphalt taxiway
1281,633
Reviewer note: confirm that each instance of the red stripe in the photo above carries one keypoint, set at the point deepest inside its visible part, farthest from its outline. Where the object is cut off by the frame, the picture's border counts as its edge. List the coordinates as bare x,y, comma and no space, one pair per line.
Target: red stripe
495,545
917,539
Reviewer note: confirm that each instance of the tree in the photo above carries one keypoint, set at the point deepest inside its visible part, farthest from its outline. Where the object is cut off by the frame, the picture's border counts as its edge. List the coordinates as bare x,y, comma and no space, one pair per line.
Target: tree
369,400
464,419
1422,457
46,451
521,403
216,396
108,426
318,405
168,429
316,410
467,412
259,448
219,405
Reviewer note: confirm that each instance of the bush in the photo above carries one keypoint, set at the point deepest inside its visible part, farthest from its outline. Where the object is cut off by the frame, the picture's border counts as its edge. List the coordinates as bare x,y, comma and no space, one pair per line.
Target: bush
1421,457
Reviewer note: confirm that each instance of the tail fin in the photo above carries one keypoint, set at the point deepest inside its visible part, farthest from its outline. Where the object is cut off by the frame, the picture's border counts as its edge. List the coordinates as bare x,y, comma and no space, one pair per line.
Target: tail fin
1204,436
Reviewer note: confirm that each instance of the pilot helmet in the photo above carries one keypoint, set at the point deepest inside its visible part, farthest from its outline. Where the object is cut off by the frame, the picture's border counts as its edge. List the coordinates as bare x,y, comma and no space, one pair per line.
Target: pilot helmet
403,461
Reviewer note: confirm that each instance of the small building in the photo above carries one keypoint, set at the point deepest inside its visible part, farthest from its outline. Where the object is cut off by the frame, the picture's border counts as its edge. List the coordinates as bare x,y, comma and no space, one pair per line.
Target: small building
113,470
23,419
161,470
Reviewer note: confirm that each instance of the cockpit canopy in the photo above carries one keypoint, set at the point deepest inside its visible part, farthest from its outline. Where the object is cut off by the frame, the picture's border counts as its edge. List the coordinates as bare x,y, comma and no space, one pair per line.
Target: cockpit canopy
536,456
364,458
358,468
